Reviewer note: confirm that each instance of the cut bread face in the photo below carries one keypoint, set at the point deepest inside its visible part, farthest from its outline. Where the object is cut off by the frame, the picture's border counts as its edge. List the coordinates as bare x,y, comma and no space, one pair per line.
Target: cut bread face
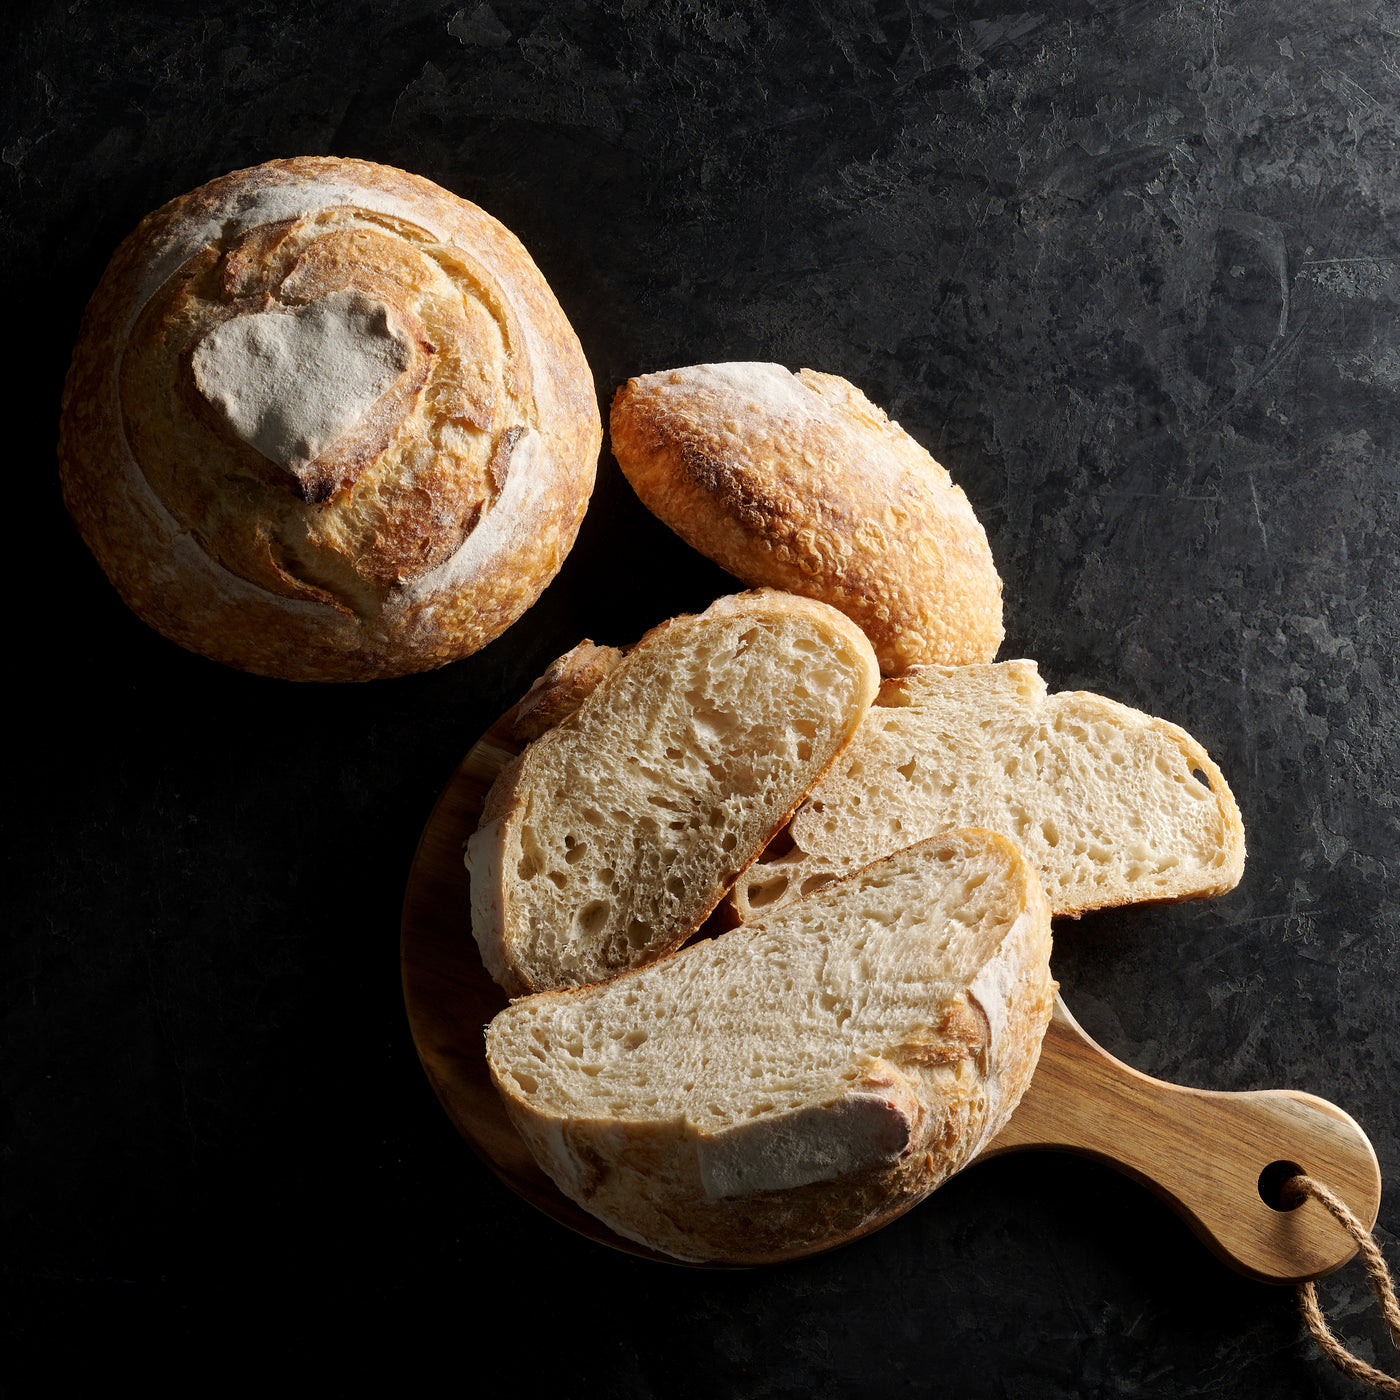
794,1083
612,837
1111,805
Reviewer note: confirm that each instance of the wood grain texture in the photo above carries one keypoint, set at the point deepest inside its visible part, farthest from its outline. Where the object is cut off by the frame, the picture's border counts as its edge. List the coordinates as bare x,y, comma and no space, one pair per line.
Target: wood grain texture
1201,1151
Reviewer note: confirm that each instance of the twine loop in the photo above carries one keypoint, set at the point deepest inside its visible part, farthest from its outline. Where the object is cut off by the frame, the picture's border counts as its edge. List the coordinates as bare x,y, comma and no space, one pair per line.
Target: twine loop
1296,1190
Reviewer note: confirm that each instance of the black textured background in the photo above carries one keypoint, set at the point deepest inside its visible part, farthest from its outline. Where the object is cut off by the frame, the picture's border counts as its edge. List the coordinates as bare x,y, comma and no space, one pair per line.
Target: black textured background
1129,270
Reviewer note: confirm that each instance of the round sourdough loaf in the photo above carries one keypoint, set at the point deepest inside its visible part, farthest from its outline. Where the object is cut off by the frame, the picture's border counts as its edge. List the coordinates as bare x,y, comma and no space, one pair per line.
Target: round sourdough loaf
326,421
799,482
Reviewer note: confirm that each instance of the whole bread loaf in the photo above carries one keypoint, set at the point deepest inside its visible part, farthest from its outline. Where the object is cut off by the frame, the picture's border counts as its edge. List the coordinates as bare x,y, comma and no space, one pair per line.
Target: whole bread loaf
608,841
797,1082
326,421
1110,805
798,481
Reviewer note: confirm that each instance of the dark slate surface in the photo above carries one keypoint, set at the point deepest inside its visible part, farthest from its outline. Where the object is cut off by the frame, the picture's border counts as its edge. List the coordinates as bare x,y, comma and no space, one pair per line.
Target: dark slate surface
1130,271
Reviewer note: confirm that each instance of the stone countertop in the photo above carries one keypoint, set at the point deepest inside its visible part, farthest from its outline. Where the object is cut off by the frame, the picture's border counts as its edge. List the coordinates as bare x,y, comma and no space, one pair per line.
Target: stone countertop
1129,271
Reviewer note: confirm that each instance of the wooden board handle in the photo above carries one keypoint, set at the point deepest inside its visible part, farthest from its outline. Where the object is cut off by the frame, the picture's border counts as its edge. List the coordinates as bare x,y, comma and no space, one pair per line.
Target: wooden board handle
1203,1152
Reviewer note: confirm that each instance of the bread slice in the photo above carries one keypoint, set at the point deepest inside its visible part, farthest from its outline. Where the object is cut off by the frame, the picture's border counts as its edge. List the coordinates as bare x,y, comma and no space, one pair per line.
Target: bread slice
798,481
613,835
1111,805
795,1083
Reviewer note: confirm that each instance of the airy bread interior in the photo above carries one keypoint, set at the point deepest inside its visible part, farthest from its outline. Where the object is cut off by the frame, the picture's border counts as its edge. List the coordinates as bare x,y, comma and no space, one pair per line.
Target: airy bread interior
1111,805
613,836
880,1030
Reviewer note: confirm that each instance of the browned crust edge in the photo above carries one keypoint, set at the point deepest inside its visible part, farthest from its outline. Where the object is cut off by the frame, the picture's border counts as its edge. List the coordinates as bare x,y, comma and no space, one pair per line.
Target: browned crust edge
931,598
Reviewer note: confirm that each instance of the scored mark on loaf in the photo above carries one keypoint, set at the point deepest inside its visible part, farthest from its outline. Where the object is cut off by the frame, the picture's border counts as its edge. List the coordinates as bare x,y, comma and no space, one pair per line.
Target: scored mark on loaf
291,383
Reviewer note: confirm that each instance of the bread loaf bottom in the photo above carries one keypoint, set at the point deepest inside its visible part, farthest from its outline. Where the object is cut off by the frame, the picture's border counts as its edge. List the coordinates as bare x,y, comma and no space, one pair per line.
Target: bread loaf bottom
1111,805
800,1081
609,840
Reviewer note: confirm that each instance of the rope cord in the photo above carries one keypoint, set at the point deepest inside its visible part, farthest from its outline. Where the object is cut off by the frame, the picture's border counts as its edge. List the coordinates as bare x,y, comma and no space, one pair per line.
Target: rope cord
1298,1189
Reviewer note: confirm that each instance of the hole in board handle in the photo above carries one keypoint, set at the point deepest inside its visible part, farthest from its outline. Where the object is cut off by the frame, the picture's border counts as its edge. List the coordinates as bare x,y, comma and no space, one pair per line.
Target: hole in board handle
1271,1181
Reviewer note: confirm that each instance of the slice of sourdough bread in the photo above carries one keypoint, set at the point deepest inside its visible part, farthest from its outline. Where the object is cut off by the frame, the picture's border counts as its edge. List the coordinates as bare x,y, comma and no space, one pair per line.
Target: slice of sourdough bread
794,1083
1111,805
614,834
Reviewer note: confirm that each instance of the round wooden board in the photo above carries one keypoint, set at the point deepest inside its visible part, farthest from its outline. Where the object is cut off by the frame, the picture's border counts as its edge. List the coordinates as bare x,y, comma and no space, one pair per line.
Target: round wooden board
450,998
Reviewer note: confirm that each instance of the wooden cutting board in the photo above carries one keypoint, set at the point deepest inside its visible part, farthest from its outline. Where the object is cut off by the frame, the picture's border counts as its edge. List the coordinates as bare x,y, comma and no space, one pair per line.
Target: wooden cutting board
1213,1157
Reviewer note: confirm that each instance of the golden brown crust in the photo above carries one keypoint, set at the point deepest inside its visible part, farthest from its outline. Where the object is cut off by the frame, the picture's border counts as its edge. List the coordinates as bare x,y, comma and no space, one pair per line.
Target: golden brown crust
437,513
638,1184
798,482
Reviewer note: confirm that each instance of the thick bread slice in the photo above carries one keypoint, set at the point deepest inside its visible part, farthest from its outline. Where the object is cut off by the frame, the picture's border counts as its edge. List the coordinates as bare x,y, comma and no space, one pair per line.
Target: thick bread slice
796,1082
1111,805
798,481
609,840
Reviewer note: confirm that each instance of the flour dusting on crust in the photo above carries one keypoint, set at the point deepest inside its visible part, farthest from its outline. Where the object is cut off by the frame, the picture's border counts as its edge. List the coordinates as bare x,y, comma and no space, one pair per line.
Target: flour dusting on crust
290,383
